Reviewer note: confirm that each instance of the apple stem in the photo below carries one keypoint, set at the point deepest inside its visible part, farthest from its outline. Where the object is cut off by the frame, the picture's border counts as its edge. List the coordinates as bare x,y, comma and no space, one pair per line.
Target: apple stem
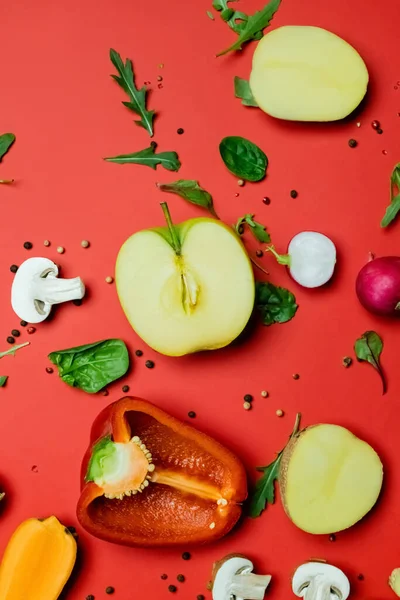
174,238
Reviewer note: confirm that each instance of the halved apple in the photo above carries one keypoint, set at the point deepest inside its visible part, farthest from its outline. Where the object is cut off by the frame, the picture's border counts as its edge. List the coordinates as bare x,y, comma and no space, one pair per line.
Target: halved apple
187,287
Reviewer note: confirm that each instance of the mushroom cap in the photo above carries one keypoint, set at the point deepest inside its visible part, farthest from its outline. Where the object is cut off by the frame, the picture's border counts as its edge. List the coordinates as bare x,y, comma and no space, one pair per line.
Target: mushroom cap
332,575
221,589
23,289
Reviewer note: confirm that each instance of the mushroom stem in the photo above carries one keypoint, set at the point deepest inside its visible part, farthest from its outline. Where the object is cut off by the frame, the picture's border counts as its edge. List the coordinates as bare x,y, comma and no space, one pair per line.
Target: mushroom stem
319,589
51,290
249,586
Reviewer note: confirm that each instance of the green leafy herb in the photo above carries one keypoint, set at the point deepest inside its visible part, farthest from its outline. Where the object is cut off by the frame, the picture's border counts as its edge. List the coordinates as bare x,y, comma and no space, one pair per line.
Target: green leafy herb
243,158
3,380
93,366
264,492
276,304
190,190
243,91
257,229
368,348
149,158
137,102
234,18
253,26
394,206
210,15
13,350
6,141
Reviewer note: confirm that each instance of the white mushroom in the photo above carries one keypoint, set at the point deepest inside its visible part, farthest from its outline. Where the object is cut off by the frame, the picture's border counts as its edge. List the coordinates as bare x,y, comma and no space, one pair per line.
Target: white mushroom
234,580
36,288
320,581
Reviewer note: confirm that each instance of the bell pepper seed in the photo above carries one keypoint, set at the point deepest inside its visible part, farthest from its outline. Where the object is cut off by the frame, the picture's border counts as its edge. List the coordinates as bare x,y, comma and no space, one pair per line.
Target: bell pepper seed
85,244
247,405
279,413
264,394
60,250
46,243
109,279
240,182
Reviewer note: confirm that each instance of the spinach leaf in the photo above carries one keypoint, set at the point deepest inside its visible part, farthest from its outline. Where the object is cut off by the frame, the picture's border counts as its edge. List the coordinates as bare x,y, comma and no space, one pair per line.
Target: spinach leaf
394,206
13,350
264,492
243,158
6,141
254,26
93,366
243,91
3,380
149,158
368,348
137,102
276,304
190,190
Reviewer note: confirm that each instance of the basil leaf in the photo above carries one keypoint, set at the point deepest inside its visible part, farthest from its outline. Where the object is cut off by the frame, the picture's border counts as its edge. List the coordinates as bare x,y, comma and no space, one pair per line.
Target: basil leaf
190,190
276,304
13,350
394,206
3,380
6,141
254,26
368,348
258,230
93,366
243,91
137,97
149,158
243,158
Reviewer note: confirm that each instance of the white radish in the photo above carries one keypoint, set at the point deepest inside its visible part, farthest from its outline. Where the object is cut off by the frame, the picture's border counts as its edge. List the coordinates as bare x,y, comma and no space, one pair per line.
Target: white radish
311,258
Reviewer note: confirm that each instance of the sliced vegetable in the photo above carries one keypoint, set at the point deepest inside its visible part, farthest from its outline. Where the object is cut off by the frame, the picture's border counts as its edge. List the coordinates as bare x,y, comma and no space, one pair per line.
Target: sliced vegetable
394,206
257,229
190,190
233,579
320,579
368,348
329,479
394,581
38,561
378,286
139,486
149,158
137,98
93,366
311,258
243,91
276,304
243,158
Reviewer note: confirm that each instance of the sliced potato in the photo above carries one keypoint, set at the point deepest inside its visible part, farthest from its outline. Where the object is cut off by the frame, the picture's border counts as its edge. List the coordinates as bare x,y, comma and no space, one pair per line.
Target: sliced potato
307,74
329,479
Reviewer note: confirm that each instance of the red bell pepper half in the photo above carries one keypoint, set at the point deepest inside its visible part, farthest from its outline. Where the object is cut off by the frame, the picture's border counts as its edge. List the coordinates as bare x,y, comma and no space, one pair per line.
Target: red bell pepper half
151,480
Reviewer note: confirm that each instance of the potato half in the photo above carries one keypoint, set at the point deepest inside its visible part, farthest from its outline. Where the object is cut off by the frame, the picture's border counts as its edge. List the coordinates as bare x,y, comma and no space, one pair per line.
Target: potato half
329,479
307,74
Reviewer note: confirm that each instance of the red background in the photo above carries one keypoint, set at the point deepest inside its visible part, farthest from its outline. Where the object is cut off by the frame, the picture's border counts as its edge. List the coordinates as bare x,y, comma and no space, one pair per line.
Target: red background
59,100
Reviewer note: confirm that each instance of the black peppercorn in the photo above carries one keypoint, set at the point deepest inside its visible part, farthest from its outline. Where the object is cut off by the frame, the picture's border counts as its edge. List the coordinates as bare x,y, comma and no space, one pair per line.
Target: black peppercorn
172,589
294,193
77,302
110,589
139,353
164,576
379,130
28,245
90,597
201,597
360,577
105,392
10,340
296,376
125,388
352,143
247,397
186,556
267,201
332,537
180,131
23,323
180,578
15,333
192,414
259,253
149,364
14,268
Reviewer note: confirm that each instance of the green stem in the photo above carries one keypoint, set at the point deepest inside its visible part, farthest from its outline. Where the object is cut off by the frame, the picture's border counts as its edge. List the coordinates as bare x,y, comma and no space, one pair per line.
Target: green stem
283,259
13,350
174,238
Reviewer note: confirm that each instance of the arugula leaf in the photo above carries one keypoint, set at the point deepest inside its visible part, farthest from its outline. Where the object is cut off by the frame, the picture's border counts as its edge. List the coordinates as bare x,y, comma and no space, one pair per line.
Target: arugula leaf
93,366
243,91
210,15
276,304
3,380
394,206
190,190
149,158
264,492
13,350
243,158
254,26
368,348
257,229
6,141
137,97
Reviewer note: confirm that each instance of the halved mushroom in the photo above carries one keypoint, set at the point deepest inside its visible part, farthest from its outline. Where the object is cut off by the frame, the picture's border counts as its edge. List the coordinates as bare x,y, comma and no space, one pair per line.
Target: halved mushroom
36,288
320,581
233,579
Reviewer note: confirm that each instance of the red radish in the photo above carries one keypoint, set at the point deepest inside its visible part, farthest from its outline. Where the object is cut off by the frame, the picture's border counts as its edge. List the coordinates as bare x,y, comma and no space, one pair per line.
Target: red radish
378,286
